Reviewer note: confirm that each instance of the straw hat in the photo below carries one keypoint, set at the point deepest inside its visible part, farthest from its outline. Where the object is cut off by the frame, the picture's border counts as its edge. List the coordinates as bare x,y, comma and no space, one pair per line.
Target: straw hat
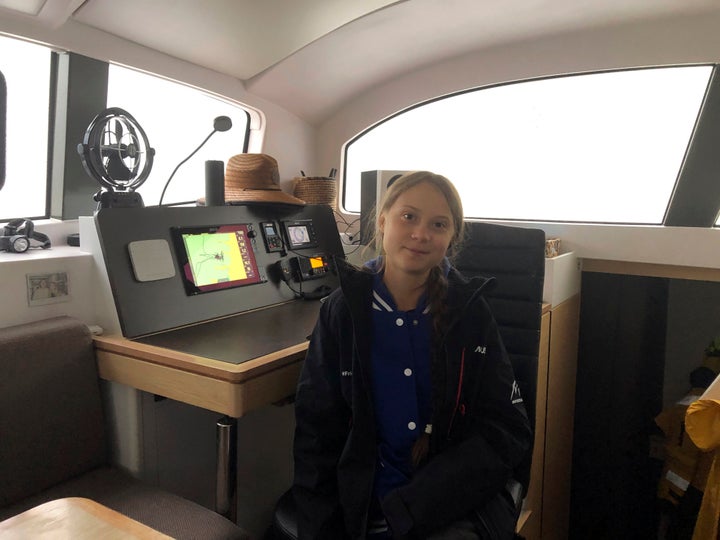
255,178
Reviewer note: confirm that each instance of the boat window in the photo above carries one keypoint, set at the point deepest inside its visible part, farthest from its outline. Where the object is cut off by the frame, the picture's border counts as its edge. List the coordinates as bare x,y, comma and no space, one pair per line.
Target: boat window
26,68
601,147
176,118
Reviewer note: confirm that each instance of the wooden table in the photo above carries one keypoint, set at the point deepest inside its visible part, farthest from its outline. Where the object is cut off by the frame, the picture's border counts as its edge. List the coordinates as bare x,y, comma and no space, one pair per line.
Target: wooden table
75,518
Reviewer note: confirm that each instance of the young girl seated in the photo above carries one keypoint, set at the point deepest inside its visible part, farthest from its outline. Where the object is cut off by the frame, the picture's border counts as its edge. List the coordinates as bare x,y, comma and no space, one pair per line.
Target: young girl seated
409,419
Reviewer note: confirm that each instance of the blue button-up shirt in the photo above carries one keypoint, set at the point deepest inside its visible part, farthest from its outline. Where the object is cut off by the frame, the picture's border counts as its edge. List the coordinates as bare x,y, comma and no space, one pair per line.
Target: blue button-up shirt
401,384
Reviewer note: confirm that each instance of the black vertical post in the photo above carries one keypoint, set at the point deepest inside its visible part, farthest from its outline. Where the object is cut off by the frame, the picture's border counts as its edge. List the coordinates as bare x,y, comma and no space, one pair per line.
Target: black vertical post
226,479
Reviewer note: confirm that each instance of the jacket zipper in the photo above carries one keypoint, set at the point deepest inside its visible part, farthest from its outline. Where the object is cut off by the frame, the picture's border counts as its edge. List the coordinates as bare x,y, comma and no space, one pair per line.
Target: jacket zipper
459,391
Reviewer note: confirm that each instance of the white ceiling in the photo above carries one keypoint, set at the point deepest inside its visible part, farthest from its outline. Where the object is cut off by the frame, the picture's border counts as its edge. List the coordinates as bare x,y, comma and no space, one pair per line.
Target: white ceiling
237,37
311,56
29,7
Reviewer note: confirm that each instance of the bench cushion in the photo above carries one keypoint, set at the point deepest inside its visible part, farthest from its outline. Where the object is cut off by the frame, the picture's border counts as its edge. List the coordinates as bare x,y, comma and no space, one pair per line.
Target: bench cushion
51,418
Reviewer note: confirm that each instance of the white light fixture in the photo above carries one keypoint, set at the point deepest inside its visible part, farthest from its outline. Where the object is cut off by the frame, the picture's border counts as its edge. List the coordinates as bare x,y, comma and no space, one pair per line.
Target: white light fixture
29,7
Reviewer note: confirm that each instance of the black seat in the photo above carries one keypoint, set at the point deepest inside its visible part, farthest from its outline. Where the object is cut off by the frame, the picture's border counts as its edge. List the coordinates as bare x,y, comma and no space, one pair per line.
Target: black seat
515,257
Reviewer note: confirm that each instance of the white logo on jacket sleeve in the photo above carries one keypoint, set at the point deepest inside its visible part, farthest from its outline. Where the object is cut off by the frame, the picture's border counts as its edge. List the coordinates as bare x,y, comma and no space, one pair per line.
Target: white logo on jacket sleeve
515,396
481,349
346,373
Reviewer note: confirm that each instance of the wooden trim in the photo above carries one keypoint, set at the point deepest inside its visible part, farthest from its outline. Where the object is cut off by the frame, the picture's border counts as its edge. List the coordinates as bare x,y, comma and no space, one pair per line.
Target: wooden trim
223,387
232,398
559,420
650,269
523,521
532,507
191,388
208,367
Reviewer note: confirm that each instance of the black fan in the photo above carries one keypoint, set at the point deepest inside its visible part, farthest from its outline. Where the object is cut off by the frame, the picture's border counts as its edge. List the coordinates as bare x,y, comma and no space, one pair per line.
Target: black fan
115,151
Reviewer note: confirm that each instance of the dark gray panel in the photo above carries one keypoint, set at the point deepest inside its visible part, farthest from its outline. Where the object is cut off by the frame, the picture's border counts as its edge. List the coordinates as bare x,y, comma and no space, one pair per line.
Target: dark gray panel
156,306
81,94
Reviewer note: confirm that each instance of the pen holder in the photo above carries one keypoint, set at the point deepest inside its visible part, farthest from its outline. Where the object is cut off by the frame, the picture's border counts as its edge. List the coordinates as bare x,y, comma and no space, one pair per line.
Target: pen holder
316,190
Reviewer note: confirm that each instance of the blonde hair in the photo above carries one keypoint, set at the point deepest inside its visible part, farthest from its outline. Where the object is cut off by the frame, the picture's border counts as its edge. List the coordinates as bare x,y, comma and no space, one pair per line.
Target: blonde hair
445,186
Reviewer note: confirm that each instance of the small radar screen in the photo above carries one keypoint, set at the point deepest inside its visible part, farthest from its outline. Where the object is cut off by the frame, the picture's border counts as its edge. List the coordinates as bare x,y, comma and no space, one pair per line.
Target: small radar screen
300,233
215,258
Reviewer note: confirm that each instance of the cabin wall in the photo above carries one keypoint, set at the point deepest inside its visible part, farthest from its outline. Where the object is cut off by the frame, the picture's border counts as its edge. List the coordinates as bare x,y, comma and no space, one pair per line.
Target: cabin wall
82,280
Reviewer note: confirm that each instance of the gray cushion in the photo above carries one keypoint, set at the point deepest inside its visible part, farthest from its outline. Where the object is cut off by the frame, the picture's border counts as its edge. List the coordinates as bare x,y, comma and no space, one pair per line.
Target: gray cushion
51,419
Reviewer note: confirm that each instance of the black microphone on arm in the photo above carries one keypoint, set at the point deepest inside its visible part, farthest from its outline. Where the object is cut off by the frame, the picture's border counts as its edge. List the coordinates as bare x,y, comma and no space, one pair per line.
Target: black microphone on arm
221,123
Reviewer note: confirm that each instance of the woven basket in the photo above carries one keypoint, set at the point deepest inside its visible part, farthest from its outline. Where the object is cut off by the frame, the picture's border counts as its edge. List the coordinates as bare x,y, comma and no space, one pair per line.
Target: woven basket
316,190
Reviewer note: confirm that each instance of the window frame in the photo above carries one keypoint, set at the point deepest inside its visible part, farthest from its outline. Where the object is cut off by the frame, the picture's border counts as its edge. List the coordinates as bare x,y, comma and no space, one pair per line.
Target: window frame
695,201
694,180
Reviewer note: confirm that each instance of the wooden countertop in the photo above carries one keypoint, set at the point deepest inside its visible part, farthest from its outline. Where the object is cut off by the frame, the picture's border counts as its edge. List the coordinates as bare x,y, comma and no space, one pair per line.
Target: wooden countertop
230,365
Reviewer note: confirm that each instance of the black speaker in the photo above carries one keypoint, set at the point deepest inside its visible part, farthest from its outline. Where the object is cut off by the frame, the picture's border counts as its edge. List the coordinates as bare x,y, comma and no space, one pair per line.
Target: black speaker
373,185
214,183
18,235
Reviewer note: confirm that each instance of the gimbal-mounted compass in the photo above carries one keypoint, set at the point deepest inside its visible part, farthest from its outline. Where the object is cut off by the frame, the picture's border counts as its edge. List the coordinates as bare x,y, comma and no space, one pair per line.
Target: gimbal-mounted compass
115,151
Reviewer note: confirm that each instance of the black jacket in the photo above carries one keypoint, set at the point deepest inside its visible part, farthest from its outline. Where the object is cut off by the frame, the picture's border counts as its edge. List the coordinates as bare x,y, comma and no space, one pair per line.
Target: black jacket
480,428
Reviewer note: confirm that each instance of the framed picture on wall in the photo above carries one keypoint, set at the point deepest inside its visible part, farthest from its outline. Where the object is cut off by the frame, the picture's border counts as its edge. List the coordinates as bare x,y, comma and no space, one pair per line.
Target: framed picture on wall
50,288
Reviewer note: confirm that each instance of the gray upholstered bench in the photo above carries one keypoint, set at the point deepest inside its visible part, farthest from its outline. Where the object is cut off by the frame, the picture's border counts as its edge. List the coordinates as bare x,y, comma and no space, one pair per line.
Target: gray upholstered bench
52,435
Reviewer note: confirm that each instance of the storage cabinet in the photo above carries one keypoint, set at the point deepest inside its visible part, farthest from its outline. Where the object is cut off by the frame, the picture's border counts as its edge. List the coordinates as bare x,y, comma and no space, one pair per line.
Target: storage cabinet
546,510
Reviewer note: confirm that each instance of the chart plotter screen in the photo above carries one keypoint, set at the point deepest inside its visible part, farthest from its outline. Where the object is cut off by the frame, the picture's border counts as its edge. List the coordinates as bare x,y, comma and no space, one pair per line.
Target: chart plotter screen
213,258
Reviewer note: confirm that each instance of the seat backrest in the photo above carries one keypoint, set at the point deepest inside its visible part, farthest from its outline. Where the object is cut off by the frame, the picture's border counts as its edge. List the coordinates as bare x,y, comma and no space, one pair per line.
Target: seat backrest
51,418
515,257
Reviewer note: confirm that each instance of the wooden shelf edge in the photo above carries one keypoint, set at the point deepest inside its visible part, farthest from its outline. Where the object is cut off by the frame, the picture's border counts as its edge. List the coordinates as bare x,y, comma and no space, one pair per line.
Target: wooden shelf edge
650,269
217,369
